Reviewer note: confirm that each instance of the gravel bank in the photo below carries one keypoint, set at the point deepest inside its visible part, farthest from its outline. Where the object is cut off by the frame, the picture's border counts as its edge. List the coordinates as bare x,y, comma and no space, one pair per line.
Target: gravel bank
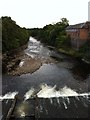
29,65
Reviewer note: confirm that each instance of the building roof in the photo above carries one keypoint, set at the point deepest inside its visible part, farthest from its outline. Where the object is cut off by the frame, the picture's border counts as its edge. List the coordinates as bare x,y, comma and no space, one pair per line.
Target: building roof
78,26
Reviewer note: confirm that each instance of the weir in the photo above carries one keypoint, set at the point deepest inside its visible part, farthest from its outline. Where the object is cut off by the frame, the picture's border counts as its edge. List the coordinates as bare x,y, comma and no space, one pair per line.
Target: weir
59,107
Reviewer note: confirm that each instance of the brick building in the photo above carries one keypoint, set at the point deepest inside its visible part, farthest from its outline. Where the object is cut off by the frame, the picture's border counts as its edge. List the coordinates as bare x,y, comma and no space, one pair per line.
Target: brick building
79,34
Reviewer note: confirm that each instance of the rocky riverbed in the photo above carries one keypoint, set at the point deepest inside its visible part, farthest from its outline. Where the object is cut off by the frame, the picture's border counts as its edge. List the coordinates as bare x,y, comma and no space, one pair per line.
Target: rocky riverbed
26,59
28,65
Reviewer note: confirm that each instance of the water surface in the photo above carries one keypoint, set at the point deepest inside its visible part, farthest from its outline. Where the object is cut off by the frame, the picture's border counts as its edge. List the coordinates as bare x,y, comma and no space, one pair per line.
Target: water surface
62,86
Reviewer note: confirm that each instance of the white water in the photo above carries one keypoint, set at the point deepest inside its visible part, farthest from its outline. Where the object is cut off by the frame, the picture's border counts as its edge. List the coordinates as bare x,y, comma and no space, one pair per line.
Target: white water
47,92
50,92
29,94
65,105
8,96
36,49
21,63
31,55
33,47
33,40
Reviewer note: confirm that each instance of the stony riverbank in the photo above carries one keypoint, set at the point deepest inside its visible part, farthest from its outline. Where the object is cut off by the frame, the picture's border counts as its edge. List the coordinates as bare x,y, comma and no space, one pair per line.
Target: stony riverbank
29,65
10,60
18,62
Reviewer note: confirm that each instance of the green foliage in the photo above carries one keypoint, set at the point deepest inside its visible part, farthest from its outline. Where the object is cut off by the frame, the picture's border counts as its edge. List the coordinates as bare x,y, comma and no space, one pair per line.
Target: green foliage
13,36
63,40
54,35
85,50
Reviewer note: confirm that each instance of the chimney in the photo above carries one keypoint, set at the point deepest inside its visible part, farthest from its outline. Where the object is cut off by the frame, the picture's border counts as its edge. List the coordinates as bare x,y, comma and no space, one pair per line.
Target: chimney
89,11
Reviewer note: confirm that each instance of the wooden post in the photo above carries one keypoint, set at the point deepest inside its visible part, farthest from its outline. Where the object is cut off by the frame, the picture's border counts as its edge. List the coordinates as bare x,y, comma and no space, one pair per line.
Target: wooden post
11,109
36,108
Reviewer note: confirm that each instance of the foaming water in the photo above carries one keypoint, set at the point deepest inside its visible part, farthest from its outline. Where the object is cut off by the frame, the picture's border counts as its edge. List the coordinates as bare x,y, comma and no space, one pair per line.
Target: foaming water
36,49
31,55
51,92
8,96
62,97
29,94
31,39
59,97
46,91
21,63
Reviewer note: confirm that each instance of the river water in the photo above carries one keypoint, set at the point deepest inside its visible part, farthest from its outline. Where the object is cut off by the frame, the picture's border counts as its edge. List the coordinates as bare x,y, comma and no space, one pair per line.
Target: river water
62,87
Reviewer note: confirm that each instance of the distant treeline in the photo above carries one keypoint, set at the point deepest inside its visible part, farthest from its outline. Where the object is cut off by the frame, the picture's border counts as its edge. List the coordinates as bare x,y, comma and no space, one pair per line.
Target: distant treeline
53,34
13,36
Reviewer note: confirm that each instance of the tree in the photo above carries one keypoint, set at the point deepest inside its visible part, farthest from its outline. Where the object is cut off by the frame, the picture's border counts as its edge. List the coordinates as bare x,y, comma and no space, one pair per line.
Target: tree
64,21
54,35
13,36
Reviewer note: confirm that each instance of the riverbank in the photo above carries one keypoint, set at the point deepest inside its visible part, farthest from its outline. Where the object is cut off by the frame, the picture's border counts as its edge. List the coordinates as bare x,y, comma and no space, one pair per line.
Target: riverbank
26,64
70,51
29,65
20,63
75,53
11,59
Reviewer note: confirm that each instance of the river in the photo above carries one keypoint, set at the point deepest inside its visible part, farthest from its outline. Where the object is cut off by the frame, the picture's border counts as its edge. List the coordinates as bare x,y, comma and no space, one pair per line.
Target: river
62,87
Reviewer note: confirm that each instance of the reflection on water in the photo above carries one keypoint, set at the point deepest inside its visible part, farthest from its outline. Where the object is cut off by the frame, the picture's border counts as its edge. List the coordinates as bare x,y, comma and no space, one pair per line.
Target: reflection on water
24,108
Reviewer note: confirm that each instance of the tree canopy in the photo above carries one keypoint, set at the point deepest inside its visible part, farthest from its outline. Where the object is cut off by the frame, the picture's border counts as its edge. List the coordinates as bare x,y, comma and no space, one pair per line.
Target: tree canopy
52,34
13,36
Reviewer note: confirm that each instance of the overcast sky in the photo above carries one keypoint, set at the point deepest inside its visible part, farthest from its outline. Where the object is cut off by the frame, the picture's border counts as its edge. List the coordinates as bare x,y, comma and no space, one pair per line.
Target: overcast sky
38,13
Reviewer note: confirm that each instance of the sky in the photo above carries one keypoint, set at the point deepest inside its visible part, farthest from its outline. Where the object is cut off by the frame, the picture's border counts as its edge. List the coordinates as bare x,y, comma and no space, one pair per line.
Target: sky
38,13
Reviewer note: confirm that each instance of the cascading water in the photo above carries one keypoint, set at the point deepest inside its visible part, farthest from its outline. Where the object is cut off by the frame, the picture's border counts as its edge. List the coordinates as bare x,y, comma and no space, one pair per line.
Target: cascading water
62,94
10,95
49,92
36,49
